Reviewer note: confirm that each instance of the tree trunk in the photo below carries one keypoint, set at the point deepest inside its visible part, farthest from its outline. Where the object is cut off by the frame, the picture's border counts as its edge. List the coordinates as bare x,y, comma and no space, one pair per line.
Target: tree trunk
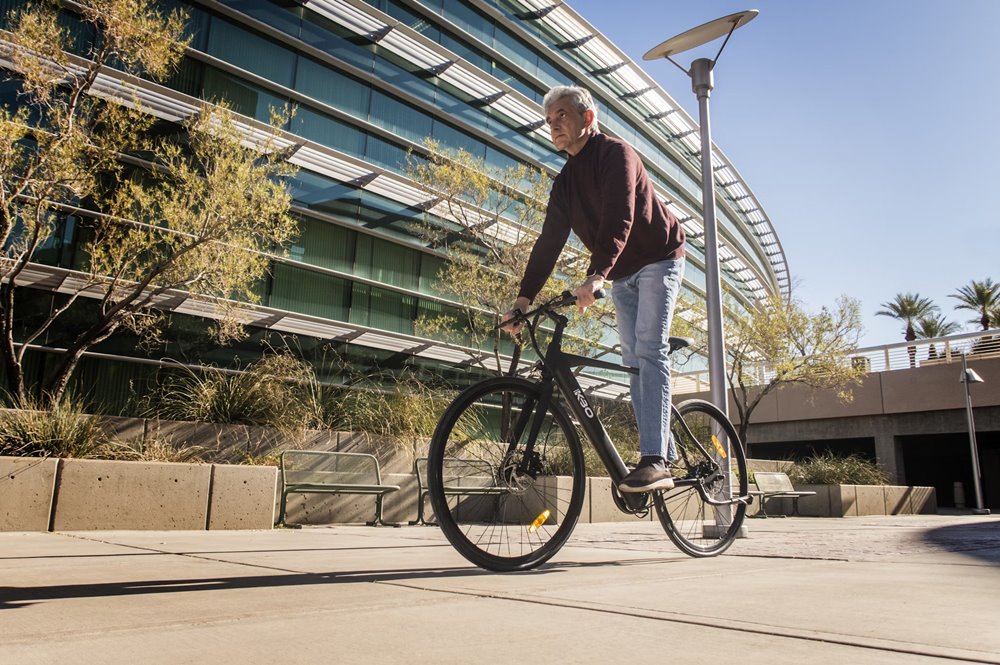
15,377
55,387
14,370
911,350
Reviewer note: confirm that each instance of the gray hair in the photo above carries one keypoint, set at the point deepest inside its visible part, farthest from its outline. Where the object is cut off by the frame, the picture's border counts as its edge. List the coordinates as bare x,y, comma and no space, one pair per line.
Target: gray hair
580,97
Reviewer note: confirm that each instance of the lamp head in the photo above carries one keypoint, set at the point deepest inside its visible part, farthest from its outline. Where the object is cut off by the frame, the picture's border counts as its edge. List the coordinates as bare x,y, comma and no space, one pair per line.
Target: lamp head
701,35
970,376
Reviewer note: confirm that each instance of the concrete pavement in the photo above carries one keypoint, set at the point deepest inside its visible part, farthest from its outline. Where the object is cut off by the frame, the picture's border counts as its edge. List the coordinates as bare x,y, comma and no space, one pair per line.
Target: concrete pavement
907,589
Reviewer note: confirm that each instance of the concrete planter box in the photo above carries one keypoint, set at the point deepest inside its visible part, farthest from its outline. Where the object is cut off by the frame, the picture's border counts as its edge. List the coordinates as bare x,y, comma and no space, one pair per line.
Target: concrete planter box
26,488
241,497
69,495
79,495
96,494
858,501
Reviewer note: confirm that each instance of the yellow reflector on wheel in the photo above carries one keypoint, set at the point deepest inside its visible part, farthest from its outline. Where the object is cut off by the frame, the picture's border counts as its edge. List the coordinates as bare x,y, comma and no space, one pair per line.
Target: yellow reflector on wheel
718,447
539,521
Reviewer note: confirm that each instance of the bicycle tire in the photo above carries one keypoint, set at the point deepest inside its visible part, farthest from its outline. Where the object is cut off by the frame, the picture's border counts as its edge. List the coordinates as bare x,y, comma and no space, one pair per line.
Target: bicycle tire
500,509
695,526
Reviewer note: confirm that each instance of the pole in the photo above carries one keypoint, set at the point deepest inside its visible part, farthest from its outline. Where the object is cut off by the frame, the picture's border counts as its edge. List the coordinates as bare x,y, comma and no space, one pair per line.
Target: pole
702,84
974,449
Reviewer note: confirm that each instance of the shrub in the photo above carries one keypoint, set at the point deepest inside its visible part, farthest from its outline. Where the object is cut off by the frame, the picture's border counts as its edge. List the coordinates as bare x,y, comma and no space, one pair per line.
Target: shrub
152,450
63,431
410,409
277,391
829,469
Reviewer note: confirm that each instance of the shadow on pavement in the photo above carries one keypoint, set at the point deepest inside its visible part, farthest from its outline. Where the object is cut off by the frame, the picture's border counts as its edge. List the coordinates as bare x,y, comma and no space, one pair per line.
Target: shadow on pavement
980,540
12,597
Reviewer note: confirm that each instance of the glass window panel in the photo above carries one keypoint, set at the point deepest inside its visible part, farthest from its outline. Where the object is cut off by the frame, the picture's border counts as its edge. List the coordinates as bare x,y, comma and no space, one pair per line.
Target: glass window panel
404,79
518,53
282,16
187,78
325,194
329,37
469,20
379,212
388,155
326,245
466,52
383,309
299,290
457,331
418,23
331,87
251,52
430,268
329,132
449,137
196,26
243,97
397,117
388,262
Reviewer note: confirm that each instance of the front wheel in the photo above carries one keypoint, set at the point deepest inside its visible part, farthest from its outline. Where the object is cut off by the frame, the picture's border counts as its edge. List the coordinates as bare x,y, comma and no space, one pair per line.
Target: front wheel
709,465
506,485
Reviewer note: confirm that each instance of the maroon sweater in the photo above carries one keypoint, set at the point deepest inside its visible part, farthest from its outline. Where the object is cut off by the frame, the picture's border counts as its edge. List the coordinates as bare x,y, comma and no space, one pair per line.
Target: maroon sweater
604,195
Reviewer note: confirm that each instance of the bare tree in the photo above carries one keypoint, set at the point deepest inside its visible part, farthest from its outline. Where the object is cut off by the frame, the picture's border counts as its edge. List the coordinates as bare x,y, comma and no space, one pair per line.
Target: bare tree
780,343
192,211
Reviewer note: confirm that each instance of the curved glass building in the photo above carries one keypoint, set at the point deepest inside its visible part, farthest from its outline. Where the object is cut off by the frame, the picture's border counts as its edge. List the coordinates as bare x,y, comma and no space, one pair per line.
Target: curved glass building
371,81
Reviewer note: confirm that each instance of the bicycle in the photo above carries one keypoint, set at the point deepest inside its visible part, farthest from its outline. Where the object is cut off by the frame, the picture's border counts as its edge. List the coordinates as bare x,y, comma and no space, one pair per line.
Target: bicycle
506,472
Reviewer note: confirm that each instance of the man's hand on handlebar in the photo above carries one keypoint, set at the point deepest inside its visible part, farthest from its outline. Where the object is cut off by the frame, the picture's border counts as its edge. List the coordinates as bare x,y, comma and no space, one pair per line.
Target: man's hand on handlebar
585,292
520,306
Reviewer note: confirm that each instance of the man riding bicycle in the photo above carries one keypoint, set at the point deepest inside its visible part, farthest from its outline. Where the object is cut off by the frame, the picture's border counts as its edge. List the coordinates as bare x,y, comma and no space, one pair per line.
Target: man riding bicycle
604,195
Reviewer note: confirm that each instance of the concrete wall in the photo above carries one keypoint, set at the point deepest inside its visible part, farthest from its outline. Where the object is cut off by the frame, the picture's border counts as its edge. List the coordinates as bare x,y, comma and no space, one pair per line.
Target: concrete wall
886,407
39,494
918,390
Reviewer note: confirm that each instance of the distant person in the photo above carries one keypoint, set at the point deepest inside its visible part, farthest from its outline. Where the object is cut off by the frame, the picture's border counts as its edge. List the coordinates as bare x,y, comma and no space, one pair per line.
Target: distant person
604,195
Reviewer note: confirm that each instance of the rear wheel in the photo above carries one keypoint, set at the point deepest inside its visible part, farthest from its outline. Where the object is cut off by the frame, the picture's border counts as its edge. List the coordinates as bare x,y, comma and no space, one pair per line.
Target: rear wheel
709,464
504,499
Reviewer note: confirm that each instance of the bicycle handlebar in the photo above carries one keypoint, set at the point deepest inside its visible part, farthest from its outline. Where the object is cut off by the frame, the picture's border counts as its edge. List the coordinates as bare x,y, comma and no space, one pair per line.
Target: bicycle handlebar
565,299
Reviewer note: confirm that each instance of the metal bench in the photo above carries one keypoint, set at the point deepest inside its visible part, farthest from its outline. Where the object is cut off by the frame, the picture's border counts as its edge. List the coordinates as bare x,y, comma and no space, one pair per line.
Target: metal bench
462,477
775,484
321,472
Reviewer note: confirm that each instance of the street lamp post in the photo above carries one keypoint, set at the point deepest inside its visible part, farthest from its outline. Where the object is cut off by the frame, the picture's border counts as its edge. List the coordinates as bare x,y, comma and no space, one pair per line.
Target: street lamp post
968,377
702,84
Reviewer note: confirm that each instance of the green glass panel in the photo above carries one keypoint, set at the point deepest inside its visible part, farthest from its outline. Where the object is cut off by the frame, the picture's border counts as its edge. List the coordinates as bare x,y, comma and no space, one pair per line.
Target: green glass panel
299,290
323,244
383,309
251,52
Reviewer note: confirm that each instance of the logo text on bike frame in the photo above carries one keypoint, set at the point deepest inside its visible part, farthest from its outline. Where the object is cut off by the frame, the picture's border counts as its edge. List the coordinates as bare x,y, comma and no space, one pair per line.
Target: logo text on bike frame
583,402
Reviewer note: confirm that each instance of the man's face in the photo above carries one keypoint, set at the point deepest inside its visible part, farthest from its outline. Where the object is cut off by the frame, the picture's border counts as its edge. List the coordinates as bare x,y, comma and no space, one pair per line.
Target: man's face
568,127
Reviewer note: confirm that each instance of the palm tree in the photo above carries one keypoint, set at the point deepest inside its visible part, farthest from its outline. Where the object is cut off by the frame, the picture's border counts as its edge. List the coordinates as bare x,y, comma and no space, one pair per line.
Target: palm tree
980,297
929,327
908,307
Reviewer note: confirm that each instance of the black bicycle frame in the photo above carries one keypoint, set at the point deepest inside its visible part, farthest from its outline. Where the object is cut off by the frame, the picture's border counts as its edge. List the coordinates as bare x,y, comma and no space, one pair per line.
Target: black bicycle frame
557,368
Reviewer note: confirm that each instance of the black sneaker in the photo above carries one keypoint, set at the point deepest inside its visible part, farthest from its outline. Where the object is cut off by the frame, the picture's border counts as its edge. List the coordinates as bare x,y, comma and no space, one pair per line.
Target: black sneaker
651,474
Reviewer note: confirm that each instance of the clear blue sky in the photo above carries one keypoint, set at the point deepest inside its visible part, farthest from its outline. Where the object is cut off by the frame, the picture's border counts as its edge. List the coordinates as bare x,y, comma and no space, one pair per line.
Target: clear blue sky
868,129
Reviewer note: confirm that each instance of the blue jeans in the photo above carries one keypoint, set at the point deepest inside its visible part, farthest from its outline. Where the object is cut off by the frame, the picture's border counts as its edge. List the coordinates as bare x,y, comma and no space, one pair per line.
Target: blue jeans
644,305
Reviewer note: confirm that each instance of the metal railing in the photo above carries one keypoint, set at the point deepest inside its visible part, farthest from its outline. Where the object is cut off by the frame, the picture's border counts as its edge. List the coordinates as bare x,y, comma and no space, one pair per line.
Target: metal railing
884,358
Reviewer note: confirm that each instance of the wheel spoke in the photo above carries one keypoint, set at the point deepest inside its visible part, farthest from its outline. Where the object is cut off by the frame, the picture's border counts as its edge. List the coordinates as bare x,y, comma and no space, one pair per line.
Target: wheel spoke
488,486
710,463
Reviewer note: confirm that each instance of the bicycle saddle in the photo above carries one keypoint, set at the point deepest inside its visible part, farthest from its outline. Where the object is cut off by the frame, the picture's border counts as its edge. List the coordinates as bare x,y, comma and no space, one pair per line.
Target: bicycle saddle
677,343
